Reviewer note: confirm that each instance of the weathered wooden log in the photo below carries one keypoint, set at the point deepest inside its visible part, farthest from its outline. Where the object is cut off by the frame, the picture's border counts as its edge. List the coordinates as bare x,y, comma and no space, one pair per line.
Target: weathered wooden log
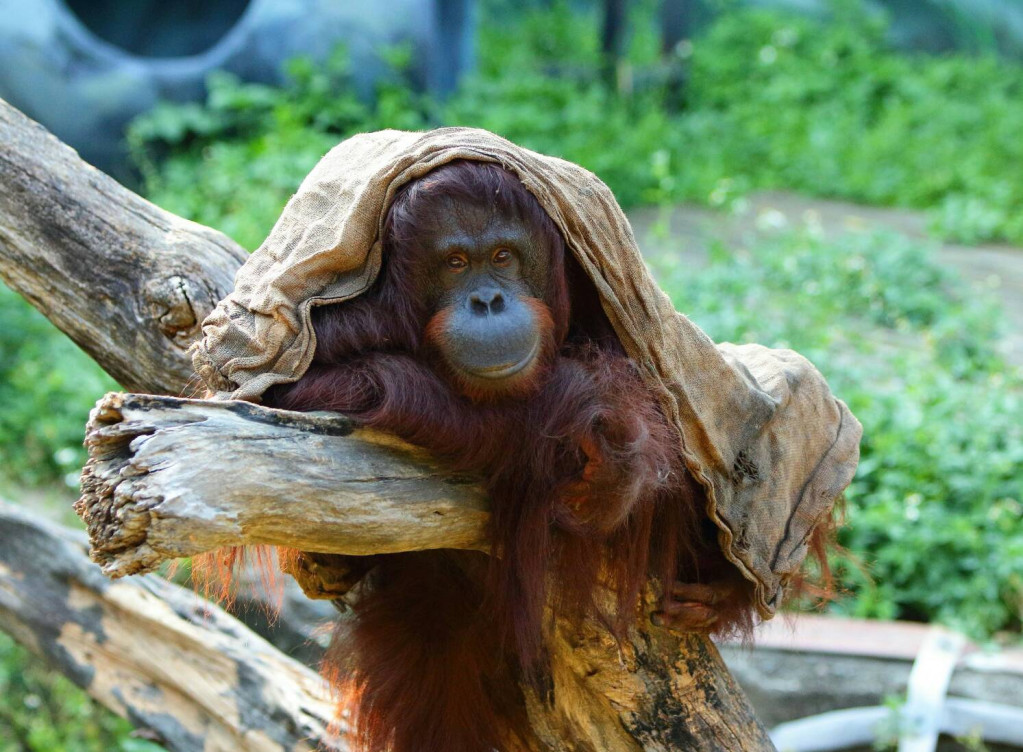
126,280
130,284
188,675
171,477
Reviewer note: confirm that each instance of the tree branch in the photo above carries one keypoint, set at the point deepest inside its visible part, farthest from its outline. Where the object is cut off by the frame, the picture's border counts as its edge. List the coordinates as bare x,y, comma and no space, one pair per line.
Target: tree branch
129,282
171,477
184,672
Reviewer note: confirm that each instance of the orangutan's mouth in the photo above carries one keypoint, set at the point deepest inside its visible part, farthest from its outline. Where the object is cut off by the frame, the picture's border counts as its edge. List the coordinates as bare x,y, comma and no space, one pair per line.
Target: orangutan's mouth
504,370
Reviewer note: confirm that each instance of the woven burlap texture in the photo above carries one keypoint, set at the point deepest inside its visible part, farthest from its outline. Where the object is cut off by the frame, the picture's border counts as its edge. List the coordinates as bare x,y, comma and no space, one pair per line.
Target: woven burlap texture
759,427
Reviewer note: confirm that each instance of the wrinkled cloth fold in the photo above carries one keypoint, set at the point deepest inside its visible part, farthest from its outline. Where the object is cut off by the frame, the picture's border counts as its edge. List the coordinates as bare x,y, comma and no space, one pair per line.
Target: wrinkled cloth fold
758,427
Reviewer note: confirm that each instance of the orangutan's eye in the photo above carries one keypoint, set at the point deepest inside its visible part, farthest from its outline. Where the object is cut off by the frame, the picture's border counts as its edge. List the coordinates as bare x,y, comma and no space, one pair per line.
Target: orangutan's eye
456,262
502,257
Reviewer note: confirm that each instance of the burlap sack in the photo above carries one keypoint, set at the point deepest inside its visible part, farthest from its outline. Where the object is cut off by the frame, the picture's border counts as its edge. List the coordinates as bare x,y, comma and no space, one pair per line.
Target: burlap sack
759,427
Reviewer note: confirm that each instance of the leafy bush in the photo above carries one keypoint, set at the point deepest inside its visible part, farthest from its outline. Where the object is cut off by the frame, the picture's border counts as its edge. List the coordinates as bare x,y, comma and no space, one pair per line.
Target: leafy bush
831,111
770,101
233,162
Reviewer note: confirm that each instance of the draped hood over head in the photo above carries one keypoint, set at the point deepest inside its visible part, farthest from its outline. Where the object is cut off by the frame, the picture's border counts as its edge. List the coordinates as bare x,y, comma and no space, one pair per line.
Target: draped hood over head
758,427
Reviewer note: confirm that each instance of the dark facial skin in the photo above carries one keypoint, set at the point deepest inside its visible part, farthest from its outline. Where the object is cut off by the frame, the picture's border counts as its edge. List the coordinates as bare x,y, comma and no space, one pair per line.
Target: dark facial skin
485,276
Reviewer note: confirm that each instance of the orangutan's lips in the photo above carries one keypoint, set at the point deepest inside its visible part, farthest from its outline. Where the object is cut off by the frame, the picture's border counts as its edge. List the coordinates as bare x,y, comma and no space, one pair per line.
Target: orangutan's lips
504,371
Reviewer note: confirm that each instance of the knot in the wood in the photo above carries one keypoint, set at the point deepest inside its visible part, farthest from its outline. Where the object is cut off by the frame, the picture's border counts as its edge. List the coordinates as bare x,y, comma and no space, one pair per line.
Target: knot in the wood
170,302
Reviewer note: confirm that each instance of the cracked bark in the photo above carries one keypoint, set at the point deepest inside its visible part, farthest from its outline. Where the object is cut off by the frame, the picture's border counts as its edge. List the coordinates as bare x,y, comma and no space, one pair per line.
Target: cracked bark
130,284
154,489
187,674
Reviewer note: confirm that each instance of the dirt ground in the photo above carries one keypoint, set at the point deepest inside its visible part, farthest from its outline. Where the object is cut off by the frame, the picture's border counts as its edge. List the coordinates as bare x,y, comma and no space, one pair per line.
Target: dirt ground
996,268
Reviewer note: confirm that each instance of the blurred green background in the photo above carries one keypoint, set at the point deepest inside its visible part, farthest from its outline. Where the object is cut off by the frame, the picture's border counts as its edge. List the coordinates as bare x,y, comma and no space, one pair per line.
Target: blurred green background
757,101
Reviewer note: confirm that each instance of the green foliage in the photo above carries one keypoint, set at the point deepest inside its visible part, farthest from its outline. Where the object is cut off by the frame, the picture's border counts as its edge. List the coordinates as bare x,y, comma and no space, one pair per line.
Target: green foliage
233,162
44,712
770,101
937,501
830,110
47,386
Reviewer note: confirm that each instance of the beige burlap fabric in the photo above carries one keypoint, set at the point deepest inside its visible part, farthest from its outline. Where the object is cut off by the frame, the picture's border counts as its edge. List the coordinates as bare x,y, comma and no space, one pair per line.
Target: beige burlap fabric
759,427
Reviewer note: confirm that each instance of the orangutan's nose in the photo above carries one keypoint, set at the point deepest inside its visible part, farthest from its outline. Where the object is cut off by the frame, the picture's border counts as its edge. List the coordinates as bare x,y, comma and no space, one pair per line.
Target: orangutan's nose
486,301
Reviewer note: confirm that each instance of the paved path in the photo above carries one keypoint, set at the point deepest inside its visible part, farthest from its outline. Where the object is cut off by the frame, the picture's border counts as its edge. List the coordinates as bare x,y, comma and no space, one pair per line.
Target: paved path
692,228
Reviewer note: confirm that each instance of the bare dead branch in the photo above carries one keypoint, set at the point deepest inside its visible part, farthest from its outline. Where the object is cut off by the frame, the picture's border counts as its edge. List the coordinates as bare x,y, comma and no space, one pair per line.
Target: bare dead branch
171,477
126,280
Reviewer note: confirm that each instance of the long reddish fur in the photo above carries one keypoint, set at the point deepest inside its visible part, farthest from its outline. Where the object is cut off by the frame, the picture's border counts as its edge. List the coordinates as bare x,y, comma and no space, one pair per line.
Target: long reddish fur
433,655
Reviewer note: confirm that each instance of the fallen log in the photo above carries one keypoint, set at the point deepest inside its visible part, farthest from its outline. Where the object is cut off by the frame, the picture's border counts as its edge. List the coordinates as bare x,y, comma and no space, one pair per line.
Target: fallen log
184,672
